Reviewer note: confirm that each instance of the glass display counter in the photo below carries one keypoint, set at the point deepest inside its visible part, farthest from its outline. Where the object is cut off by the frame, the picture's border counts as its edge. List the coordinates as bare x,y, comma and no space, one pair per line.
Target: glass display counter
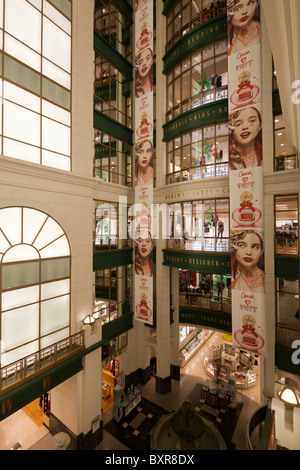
131,401
193,346
235,366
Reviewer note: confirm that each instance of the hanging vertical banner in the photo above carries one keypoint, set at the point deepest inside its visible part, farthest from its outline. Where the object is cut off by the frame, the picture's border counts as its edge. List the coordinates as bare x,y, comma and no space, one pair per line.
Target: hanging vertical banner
246,176
144,60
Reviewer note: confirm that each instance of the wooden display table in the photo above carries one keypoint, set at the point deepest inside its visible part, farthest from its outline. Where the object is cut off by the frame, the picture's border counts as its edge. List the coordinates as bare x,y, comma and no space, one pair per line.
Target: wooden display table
105,390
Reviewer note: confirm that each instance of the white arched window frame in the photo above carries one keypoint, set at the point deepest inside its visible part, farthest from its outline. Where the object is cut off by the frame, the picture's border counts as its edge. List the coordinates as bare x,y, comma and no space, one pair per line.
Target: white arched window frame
35,267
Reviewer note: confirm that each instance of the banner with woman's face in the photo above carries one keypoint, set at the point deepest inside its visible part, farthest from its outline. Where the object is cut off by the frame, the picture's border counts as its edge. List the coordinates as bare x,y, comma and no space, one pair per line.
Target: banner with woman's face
143,161
246,175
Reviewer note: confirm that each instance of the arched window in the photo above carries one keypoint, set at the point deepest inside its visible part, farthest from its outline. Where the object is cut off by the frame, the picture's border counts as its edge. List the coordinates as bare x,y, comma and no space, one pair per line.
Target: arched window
35,282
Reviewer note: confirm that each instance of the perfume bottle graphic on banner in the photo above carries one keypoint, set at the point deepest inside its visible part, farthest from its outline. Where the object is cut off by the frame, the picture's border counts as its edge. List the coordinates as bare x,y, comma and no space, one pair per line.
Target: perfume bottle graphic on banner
145,38
245,91
247,337
246,215
145,128
142,309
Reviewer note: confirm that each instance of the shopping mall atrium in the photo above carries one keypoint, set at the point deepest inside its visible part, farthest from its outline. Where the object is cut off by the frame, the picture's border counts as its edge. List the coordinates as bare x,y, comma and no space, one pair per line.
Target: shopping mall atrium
149,207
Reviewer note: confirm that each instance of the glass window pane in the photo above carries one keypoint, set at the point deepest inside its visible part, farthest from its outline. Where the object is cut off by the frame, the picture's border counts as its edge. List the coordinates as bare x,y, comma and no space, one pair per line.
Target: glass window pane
55,289
55,338
21,151
54,314
20,326
20,253
21,124
57,94
21,52
56,45
57,17
4,245
21,97
55,269
50,231
10,223
23,21
55,112
19,73
58,248
19,353
56,160
21,274
18,298
56,74
32,223
56,137
281,145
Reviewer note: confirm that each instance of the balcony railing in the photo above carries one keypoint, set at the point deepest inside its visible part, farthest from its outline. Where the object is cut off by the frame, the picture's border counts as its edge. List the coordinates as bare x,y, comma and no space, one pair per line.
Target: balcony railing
201,98
205,302
199,172
209,244
285,162
201,17
286,335
36,362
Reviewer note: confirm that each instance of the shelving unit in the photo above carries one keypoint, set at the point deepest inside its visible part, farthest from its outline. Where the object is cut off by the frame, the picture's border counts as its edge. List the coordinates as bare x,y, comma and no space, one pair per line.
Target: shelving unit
193,346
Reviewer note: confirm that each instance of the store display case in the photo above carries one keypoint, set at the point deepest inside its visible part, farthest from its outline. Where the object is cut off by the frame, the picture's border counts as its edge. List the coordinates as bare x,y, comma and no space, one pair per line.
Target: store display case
193,346
229,364
131,401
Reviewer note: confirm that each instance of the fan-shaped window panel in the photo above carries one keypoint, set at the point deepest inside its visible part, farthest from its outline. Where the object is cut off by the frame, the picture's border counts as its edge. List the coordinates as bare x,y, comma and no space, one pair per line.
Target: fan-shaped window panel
20,253
35,282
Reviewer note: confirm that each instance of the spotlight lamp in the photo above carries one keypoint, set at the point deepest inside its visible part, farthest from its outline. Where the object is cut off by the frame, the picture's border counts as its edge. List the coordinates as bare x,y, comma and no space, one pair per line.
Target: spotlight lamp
88,320
289,394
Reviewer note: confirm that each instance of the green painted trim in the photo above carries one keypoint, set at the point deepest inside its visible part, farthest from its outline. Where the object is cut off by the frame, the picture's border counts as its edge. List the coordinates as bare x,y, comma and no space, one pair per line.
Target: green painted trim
207,318
195,118
125,9
283,360
287,267
126,32
21,75
113,56
110,126
206,33
121,5
194,261
168,5
104,151
266,430
117,327
54,92
277,109
106,292
112,258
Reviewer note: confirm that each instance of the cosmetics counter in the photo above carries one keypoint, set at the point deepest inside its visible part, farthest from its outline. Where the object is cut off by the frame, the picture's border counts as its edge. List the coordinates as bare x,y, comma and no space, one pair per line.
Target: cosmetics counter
191,340
231,365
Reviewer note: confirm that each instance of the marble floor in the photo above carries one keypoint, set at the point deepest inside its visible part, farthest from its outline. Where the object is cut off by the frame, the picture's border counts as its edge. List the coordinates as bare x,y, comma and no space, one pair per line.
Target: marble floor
20,428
